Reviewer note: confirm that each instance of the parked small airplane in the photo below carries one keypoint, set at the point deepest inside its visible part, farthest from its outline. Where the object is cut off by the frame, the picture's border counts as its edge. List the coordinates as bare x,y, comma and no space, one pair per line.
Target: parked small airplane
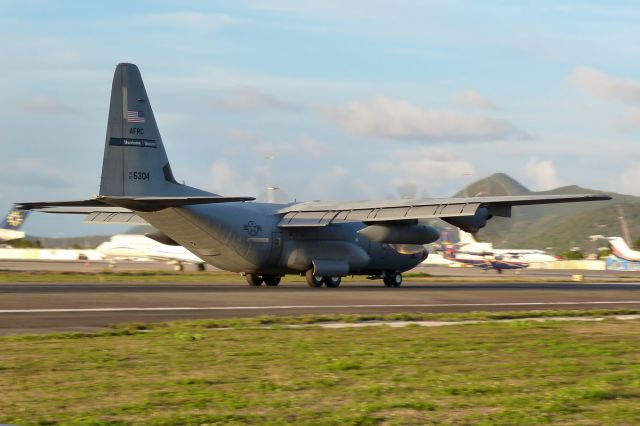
322,240
134,246
470,252
485,260
9,228
468,243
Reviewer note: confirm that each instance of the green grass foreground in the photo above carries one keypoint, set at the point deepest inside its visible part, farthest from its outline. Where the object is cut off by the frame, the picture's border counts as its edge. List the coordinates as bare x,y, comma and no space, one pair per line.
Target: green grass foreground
217,277
188,373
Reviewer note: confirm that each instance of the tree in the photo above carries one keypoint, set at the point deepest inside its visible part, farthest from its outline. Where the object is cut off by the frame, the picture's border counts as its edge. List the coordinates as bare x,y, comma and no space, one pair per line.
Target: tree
24,243
574,255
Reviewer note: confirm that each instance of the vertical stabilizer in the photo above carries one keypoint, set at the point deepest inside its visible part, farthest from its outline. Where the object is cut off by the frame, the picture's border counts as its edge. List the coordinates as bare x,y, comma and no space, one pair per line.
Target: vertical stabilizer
620,249
14,219
135,162
10,225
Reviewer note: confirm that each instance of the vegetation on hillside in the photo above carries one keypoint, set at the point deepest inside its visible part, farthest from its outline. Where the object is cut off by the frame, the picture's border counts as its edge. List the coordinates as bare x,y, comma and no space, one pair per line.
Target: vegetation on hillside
555,227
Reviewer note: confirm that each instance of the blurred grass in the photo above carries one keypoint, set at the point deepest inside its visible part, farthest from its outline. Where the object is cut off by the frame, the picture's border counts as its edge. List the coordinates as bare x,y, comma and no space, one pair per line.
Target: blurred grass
521,372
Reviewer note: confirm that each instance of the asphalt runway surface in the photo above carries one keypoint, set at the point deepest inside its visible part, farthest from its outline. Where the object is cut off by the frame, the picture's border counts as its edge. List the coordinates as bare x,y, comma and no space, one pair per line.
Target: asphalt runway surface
30,308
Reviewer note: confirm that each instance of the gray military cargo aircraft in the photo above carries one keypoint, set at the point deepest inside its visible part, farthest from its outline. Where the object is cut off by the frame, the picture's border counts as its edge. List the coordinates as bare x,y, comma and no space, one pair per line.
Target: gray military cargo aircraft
324,241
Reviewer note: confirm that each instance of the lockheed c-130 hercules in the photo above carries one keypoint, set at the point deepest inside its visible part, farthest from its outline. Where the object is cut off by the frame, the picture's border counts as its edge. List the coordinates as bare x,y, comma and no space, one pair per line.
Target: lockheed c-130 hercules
324,241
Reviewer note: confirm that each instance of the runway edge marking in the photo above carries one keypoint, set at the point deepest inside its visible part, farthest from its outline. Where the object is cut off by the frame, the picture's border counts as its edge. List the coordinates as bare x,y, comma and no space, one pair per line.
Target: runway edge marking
284,307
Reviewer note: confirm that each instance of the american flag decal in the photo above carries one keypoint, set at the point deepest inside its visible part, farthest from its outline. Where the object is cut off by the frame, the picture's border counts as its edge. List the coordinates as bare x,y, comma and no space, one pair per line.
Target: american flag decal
135,117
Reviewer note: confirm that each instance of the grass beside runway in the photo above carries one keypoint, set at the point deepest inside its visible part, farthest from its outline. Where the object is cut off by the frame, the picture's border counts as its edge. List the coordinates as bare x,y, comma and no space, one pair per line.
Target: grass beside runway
220,277
521,372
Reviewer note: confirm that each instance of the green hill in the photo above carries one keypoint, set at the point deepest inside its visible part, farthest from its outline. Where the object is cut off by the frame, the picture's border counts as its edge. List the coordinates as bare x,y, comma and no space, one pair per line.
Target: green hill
556,227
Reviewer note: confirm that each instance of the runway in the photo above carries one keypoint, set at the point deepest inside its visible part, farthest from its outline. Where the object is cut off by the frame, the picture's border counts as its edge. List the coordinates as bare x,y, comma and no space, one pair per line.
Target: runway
92,306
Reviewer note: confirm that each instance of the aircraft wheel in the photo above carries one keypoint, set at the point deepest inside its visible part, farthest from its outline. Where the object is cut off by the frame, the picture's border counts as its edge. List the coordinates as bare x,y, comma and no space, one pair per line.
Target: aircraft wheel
332,282
394,280
253,280
201,267
178,267
314,280
271,281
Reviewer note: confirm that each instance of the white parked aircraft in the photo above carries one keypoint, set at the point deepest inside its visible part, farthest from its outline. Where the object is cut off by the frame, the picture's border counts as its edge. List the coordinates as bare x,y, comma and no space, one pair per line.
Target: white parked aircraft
9,228
140,247
469,244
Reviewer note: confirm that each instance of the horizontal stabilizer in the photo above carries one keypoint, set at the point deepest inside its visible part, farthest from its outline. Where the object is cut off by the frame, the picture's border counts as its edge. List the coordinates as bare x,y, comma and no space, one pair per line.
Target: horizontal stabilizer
159,203
104,204
38,205
114,218
83,210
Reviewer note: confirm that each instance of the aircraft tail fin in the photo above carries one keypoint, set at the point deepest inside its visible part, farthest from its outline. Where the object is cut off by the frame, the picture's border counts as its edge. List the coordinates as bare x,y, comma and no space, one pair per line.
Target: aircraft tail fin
135,162
14,219
621,249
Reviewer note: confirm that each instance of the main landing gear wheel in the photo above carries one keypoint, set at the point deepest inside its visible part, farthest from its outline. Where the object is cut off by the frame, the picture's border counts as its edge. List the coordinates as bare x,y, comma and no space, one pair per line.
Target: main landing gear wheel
200,267
178,267
393,280
332,282
314,280
271,281
254,280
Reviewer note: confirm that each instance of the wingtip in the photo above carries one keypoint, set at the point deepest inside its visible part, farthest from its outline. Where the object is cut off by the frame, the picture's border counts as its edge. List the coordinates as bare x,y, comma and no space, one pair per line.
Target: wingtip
603,197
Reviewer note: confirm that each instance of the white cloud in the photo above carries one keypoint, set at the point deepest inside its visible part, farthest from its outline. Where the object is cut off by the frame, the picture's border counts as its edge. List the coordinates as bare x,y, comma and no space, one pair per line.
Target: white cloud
323,184
542,174
226,181
629,180
422,171
600,84
250,99
385,118
472,98
629,122
302,147
45,105
204,22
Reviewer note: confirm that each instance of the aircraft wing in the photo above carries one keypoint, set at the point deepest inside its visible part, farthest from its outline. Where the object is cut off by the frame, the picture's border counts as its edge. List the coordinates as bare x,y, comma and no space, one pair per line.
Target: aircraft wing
314,213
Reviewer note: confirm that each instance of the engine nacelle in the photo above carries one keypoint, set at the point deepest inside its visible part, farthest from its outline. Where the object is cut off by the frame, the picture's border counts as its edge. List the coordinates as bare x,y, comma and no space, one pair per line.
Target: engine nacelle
471,224
400,234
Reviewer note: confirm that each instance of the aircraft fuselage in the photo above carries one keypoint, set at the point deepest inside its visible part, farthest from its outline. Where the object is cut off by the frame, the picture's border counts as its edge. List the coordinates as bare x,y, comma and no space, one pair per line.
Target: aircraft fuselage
245,237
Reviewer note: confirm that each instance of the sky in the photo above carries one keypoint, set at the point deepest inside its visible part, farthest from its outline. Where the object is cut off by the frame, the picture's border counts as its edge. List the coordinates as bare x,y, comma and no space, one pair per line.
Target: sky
327,99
